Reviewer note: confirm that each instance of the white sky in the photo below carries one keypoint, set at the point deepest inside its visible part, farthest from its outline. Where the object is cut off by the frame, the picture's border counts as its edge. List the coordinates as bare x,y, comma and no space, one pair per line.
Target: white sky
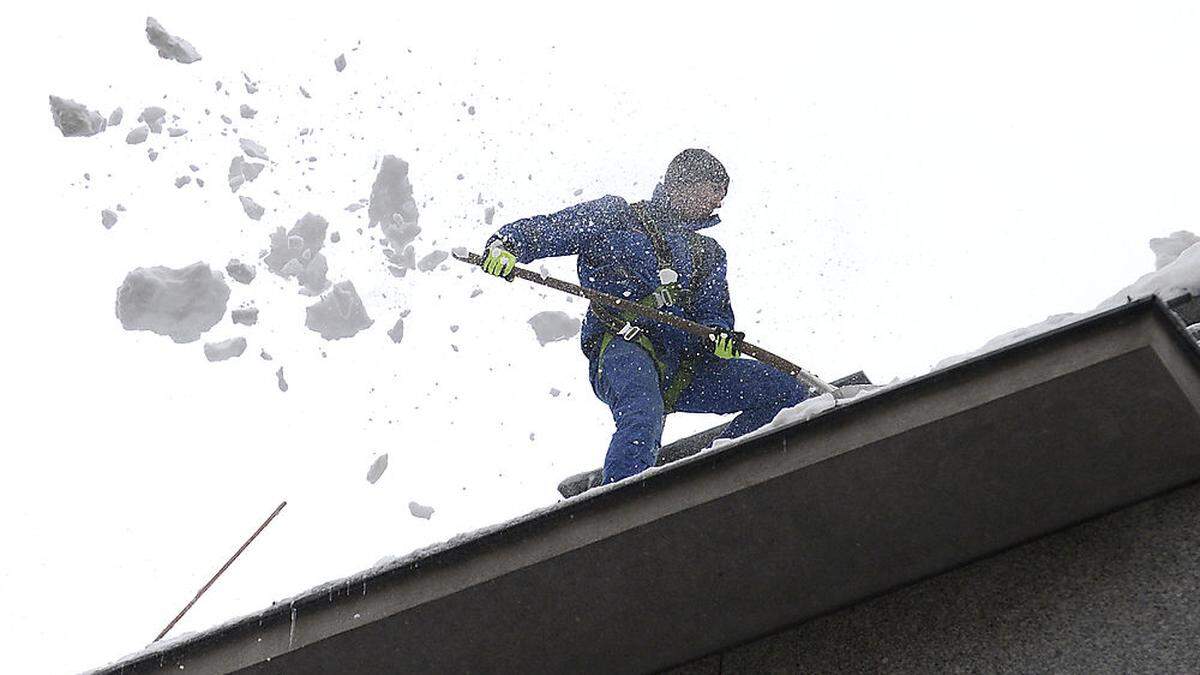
907,182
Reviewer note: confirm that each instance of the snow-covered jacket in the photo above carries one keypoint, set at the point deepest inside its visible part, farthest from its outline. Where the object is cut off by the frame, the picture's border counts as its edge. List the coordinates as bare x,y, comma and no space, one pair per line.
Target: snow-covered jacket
616,256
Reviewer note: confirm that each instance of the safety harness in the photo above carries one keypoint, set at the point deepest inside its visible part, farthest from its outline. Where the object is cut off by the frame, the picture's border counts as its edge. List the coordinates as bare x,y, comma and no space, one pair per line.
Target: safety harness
668,293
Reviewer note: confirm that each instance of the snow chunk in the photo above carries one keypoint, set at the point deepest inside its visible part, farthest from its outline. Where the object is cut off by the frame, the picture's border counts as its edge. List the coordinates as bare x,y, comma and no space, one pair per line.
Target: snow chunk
340,62
137,135
488,214
297,253
252,208
429,262
554,391
397,331
553,326
476,292
253,149
226,349
170,46
392,194
247,112
175,132
241,172
182,180
1167,249
153,117
305,93
240,271
74,119
399,235
283,385
108,219
179,303
420,511
247,316
377,468
339,314
115,117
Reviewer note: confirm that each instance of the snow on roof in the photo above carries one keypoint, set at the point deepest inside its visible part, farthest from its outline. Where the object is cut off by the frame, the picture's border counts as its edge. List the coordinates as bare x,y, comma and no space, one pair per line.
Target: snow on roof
1180,276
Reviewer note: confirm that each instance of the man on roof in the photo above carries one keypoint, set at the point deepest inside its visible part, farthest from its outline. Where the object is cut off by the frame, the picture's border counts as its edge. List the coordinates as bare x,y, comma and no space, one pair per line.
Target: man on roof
651,252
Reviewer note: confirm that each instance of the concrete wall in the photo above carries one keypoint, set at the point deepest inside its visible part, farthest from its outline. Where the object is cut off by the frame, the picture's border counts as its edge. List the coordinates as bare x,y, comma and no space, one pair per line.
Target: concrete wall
1117,594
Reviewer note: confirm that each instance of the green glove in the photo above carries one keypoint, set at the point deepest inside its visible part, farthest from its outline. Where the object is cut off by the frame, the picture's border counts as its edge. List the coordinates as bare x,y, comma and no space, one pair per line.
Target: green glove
727,344
499,262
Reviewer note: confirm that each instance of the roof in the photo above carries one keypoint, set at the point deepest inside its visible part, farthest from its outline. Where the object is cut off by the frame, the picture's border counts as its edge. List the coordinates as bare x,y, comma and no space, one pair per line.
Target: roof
729,544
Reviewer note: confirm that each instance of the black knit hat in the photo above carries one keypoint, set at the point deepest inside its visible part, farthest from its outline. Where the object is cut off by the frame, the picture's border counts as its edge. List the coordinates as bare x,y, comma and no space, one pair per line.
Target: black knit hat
694,166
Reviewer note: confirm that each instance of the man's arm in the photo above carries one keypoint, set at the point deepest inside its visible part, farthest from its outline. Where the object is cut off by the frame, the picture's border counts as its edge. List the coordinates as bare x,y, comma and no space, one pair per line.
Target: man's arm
565,232
712,304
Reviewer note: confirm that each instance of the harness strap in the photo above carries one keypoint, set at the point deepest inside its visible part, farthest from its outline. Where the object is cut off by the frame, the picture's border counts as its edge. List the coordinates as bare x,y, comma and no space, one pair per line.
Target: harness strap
662,252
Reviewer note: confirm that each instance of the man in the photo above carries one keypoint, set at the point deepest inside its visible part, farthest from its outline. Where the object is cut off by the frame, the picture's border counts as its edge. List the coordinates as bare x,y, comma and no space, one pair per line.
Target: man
651,253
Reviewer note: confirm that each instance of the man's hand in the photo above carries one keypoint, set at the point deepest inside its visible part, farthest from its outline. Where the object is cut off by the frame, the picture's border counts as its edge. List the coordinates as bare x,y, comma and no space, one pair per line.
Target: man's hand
499,262
726,344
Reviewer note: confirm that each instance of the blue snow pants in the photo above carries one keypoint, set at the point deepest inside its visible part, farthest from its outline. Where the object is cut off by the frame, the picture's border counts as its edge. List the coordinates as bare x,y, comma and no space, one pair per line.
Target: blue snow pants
626,379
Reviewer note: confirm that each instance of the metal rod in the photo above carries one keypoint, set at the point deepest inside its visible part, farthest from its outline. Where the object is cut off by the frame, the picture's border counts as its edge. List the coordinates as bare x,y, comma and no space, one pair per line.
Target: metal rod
692,327
223,568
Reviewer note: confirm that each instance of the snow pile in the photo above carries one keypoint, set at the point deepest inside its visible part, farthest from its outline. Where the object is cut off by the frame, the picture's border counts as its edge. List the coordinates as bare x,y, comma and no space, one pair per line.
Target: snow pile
169,46
420,511
553,326
296,253
1167,249
74,119
179,303
377,468
339,314
1178,277
226,349
1177,274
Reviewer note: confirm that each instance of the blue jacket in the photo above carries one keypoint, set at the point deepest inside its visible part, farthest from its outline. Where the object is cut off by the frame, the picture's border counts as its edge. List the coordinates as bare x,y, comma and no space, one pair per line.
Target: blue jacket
617,257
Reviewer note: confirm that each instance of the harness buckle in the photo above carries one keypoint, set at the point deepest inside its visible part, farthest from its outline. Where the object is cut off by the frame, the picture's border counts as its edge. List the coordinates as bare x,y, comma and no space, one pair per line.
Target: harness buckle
629,332
663,297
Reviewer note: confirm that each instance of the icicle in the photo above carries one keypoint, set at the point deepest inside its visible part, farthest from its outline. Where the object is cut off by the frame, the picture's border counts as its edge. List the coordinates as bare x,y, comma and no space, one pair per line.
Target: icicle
292,631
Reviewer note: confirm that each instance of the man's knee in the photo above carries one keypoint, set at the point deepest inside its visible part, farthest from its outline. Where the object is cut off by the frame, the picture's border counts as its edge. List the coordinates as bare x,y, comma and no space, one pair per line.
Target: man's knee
786,392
